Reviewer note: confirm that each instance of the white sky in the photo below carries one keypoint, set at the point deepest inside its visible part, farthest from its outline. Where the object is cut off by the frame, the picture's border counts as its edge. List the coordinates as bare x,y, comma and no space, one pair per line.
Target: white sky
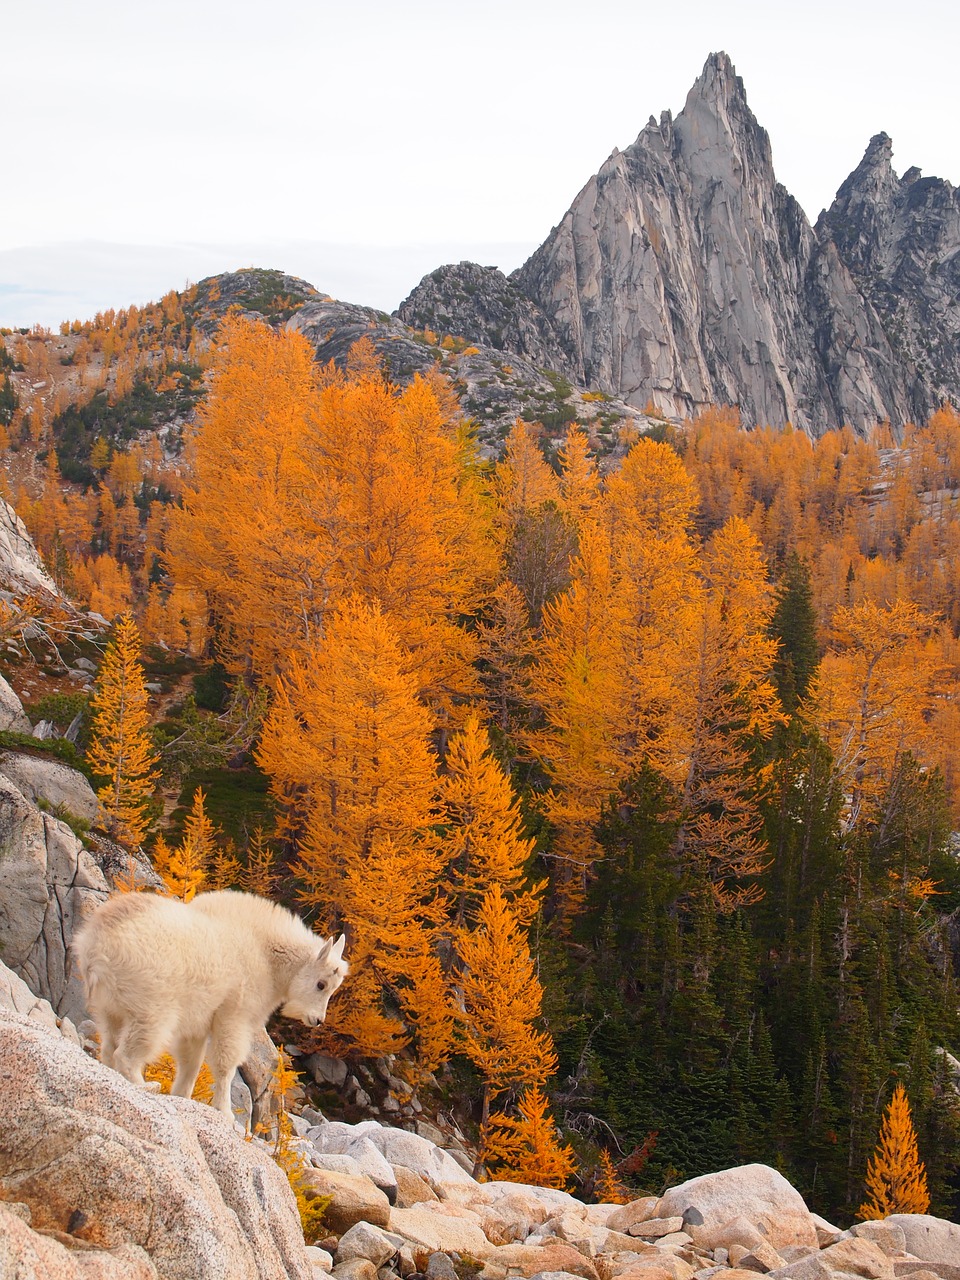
362,142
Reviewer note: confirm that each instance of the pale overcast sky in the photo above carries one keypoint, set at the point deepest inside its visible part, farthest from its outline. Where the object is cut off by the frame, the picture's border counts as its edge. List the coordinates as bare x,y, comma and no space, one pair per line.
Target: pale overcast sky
363,142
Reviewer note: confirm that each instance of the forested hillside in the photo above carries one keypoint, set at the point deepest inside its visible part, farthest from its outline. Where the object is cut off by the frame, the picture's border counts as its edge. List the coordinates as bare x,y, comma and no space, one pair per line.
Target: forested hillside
626,765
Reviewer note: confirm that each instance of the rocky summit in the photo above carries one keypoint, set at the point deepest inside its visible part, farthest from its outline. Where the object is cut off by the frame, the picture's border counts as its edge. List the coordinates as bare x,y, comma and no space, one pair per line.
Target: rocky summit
686,275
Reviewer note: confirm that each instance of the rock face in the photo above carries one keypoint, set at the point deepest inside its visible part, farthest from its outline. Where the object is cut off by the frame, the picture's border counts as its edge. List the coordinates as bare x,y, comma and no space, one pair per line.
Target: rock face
40,778
12,715
21,568
762,1197
47,880
684,273
105,1164
492,309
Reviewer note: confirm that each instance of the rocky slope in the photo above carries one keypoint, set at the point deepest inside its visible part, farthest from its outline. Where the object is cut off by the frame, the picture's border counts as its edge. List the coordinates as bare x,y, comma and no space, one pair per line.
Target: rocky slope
684,273
101,1179
494,384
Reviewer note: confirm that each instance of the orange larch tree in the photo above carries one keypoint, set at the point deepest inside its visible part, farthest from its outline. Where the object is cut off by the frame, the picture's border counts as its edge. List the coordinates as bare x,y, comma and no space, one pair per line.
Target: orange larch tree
896,1178
526,1147
308,486
482,831
873,693
732,705
500,999
121,749
347,747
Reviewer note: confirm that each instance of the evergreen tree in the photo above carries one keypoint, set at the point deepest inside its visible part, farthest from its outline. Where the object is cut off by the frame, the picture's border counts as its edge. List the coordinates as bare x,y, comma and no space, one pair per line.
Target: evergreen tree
120,748
794,625
896,1179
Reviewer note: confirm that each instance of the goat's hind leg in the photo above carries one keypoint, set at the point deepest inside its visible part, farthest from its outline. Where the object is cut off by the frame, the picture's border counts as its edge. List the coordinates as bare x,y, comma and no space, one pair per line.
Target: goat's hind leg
140,1042
109,1029
189,1055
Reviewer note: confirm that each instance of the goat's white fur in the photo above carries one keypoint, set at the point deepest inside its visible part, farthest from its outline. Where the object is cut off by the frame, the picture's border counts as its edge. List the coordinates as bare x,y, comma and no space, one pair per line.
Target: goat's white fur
199,979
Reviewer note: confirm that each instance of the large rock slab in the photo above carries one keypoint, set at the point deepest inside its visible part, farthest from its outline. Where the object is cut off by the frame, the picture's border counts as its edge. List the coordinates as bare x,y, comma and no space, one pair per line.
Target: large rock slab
21,568
48,881
355,1199
99,1160
929,1238
52,781
438,1232
13,718
16,997
754,1192
27,1255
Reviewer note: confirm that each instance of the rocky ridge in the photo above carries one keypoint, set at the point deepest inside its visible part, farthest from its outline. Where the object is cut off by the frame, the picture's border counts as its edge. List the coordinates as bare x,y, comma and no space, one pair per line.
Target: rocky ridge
684,273
495,386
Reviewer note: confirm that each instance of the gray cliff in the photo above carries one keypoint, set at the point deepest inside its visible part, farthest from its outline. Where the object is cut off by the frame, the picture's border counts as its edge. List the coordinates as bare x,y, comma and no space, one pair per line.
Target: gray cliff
685,274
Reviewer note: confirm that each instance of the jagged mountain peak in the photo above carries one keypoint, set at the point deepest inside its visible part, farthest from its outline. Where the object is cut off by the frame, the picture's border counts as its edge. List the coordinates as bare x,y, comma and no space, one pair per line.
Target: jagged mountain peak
683,273
719,80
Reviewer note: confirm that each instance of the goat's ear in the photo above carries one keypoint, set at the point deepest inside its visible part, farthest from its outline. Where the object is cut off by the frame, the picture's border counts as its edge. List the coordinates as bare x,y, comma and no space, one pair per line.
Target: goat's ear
324,951
337,952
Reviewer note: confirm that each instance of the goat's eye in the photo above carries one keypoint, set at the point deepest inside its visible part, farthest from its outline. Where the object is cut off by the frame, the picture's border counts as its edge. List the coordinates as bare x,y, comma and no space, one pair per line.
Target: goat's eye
321,986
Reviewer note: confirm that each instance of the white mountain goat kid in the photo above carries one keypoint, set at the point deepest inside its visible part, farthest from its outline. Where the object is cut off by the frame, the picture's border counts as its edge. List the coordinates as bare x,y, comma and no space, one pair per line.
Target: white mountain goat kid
198,979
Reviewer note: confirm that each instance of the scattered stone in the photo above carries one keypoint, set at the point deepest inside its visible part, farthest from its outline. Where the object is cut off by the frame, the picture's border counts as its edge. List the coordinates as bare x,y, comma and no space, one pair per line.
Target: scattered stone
527,1259
762,1257
411,1188
755,1192
554,1275
625,1216
355,1269
886,1234
654,1228
319,1258
325,1069
859,1258
439,1267
364,1240
827,1233
913,1267
354,1140
13,718
928,1238
397,1146
355,1199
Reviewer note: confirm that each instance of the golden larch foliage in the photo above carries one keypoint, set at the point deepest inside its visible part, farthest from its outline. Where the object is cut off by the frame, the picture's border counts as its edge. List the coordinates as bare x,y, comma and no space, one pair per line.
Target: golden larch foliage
731,703
579,478
896,1178
873,695
164,1070
361,487
608,1188
310,1206
501,1000
526,1148
120,749
347,746
186,869
483,841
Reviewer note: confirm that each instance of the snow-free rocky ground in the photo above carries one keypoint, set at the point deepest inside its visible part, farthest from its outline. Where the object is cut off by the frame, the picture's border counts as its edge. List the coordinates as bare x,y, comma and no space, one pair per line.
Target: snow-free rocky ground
101,1180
